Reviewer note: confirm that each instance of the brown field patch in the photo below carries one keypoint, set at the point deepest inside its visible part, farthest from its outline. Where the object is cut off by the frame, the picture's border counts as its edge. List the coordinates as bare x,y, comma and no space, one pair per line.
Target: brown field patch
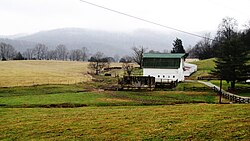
37,72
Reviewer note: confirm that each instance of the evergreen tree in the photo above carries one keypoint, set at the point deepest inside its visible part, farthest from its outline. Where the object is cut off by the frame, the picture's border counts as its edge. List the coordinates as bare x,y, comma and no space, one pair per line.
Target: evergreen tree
19,56
231,63
178,47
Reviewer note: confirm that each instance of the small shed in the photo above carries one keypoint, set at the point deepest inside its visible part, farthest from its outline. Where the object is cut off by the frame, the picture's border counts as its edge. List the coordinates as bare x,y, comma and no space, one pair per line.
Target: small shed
165,67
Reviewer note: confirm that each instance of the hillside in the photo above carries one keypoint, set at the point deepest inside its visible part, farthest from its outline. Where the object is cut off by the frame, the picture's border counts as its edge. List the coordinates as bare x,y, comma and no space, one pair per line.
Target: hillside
20,45
111,43
204,68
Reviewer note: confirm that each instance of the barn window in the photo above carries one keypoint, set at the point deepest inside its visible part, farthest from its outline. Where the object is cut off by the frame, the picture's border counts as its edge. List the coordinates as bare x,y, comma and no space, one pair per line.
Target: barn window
171,63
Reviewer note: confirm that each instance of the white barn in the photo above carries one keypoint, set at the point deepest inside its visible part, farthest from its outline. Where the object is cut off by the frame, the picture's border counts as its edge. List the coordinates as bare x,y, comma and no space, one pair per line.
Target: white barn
164,67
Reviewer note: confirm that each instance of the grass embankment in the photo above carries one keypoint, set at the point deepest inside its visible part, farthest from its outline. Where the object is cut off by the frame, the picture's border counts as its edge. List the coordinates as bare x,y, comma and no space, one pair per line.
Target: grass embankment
204,68
26,73
177,122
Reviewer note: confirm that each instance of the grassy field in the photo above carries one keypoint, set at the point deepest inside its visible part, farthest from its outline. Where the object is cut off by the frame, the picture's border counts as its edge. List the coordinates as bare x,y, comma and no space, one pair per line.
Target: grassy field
25,73
204,68
173,122
81,95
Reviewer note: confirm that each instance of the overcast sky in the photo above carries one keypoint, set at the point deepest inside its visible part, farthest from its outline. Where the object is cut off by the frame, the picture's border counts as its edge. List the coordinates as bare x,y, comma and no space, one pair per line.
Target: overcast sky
29,16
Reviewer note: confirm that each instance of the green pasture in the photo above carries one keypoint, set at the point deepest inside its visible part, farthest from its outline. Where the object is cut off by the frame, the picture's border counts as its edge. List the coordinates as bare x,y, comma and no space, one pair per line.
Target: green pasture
204,68
77,95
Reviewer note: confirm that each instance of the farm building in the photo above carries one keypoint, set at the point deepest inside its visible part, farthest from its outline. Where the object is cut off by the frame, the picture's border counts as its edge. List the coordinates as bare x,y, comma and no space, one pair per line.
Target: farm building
189,69
165,67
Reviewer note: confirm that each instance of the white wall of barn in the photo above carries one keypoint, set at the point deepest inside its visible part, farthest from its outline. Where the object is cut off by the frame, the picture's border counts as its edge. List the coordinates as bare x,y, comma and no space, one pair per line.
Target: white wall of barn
165,75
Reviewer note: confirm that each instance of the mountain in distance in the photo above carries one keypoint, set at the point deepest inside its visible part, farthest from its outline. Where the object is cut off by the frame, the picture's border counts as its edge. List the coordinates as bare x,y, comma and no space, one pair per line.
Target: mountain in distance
19,45
110,43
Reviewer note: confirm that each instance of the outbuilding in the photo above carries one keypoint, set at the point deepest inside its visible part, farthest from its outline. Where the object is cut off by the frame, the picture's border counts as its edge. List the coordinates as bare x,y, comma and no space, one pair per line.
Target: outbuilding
165,67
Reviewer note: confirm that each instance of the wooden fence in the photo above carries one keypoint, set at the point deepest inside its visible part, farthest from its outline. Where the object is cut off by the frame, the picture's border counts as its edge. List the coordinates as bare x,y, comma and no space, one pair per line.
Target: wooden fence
137,82
232,97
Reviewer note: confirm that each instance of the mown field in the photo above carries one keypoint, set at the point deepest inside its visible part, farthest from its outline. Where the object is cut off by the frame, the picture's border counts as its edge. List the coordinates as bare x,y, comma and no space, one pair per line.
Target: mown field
26,73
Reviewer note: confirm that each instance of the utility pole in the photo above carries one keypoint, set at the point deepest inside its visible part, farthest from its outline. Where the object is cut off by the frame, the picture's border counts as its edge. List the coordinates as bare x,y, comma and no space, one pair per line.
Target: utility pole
220,90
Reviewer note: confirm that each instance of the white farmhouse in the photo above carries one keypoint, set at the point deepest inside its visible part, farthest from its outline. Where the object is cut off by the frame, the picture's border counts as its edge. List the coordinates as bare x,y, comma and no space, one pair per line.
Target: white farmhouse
164,67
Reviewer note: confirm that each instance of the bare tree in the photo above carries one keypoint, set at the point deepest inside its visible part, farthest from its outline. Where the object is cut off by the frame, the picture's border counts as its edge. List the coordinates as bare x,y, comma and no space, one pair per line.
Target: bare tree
29,54
40,51
203,49
7,51
126,59
52,55
128,67
61,52
76,55
227,28
98,62
84,54
138,54
116,58
153,51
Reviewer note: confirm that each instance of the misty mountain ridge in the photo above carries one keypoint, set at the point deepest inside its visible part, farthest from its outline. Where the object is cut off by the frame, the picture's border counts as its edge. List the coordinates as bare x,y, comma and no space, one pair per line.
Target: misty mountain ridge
110,43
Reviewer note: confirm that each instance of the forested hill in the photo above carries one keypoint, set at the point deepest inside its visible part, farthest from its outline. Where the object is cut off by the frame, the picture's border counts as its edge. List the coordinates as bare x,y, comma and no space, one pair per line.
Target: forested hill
110,43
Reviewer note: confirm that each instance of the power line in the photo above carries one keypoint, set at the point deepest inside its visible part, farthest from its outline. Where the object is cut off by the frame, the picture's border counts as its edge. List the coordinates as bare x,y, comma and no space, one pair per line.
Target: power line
145,20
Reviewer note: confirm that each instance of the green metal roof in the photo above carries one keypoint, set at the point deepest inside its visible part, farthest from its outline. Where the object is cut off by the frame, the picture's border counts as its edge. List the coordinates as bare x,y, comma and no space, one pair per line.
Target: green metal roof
163,55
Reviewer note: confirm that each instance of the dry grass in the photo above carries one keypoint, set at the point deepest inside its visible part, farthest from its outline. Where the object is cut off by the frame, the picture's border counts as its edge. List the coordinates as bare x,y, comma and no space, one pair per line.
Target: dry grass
25,73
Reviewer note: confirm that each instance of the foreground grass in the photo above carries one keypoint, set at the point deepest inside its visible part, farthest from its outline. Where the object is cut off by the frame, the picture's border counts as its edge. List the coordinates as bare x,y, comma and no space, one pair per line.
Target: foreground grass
179,122
26,73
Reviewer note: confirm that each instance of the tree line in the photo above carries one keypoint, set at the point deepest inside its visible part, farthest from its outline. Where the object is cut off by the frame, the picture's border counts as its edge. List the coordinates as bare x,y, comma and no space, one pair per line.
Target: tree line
211,47
231,50
41,52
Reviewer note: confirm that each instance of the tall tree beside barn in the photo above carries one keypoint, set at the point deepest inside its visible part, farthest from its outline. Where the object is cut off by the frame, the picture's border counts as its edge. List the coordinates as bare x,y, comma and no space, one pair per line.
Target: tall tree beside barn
231,63
178,47
138,54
